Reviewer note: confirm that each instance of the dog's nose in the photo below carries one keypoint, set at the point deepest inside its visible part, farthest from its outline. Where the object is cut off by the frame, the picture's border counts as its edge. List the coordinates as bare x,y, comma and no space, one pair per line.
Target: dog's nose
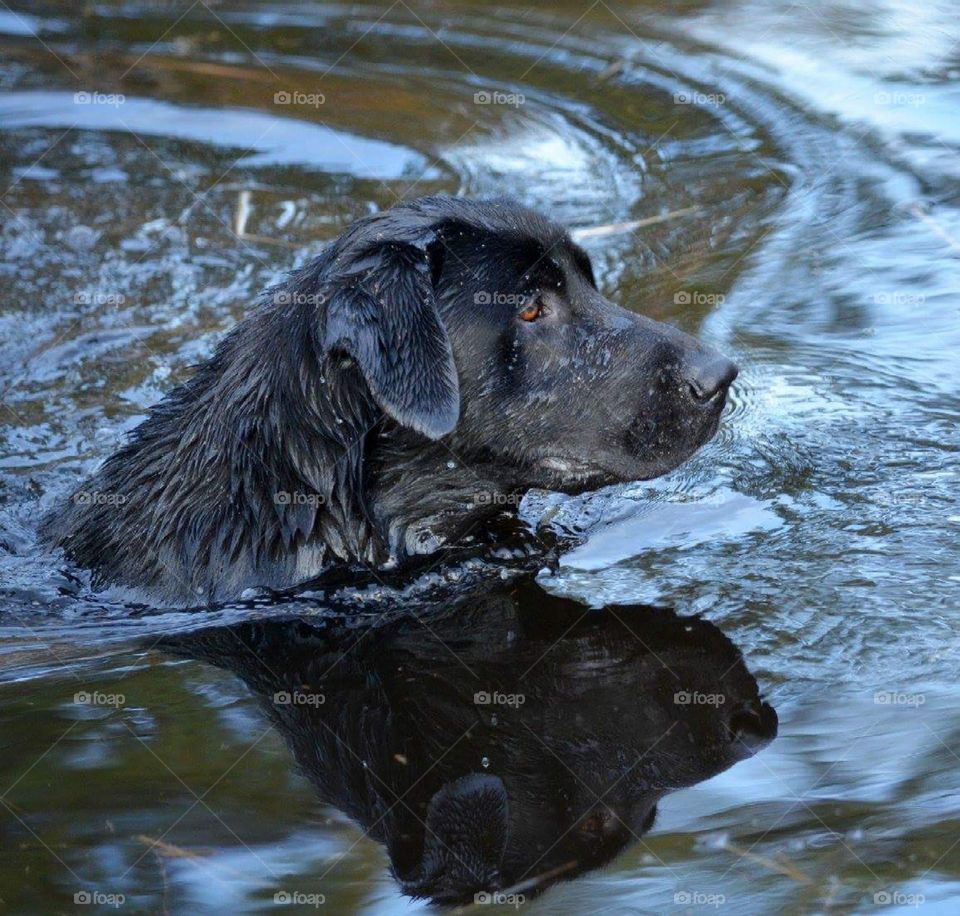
752,727
709,374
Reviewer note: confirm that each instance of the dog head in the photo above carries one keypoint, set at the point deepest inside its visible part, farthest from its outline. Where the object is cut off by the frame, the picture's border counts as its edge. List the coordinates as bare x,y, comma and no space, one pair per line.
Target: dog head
436,358
480,324
546,763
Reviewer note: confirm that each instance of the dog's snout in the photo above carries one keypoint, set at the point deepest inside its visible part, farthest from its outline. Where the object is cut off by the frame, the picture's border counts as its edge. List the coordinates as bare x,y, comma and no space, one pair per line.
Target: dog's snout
708,375
752,726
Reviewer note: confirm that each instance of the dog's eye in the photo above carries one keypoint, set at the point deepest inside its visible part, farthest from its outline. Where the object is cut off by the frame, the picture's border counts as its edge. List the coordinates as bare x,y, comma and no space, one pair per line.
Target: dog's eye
532,310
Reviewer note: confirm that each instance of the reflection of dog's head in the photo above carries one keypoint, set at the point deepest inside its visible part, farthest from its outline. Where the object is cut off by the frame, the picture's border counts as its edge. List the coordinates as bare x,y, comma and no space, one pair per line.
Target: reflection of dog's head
550,769
436,360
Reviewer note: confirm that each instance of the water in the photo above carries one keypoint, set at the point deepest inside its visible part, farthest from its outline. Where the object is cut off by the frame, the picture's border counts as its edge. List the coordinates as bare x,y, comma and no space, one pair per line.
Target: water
813,152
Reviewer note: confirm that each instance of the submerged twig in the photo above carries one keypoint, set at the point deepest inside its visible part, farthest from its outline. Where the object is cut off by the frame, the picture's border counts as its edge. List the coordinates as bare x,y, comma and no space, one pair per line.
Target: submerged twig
245,208
783,868
611,70
616,228
240,217
166,849
935,226
243,213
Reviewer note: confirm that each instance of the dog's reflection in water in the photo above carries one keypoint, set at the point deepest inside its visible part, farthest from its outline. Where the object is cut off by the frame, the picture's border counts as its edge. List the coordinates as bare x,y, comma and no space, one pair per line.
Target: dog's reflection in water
509,741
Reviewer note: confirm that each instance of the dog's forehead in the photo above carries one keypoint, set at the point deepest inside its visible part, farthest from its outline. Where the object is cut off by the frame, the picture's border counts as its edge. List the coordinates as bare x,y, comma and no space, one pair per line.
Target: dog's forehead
419,221
551,240
503,216
509,219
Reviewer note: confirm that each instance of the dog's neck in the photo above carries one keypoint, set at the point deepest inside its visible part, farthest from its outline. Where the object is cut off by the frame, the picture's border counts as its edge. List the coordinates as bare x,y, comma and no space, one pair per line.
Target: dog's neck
272,466
428,498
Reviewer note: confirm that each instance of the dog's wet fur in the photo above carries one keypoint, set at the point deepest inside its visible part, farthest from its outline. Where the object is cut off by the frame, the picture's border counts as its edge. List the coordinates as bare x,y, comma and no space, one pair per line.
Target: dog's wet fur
504,739
425,370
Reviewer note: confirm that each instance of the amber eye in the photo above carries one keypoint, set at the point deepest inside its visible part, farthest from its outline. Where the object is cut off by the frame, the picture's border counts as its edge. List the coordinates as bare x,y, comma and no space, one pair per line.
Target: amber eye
532,311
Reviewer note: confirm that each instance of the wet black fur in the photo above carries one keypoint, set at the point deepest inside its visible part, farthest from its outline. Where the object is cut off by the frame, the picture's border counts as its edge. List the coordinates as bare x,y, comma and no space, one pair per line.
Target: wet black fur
393,411
418,741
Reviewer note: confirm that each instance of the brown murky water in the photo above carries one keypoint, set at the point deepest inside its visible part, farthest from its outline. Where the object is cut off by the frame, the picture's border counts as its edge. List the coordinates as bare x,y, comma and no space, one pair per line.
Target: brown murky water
812,151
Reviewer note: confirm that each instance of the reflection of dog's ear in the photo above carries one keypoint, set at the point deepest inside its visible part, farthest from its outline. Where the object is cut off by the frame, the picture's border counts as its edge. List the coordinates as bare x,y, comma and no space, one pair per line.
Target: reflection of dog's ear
381,309
466,836
649,820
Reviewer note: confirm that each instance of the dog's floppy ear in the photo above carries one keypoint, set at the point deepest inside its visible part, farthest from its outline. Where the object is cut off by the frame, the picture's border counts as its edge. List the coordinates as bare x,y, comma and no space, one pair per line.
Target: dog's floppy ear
381,310
465,838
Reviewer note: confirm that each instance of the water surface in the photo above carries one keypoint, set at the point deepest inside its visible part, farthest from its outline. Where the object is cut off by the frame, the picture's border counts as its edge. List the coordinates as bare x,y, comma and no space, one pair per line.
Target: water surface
804,159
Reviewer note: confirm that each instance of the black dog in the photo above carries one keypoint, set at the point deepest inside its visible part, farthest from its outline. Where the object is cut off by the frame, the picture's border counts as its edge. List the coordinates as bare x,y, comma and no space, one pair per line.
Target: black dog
509,740
431,365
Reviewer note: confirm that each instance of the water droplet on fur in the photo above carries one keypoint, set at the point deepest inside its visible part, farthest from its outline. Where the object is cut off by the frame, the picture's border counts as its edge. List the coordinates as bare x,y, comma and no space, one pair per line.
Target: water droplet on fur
485,762
339,419
451,464
493,719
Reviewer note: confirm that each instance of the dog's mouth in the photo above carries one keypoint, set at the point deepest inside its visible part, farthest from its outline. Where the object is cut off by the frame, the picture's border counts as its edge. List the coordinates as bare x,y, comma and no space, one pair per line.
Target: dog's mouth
576,475
639,460
570,466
